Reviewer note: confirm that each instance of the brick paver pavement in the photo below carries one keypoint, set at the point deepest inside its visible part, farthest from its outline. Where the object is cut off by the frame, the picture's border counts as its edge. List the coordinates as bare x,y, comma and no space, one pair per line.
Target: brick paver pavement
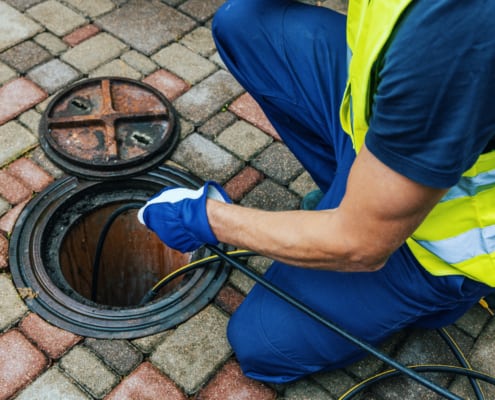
45,45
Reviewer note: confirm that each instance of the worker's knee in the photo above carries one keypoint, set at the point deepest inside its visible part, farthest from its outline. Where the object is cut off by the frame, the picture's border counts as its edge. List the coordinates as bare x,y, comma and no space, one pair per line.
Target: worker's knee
230,19
238,21
257,358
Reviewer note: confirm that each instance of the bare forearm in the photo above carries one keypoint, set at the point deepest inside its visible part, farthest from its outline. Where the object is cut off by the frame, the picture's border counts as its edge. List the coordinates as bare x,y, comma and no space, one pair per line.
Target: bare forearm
312,239
379,211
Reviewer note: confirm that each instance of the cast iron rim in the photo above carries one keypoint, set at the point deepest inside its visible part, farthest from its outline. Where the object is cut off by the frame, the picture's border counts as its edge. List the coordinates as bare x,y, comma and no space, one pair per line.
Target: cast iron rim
95,111
88,319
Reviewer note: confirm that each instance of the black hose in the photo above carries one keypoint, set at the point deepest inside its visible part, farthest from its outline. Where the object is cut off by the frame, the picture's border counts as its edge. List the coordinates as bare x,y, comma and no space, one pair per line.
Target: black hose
419,368
462,360
101,241
359,343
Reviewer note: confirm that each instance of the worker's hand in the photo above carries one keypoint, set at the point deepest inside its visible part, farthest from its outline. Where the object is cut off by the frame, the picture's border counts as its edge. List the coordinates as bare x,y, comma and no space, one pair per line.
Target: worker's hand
178,216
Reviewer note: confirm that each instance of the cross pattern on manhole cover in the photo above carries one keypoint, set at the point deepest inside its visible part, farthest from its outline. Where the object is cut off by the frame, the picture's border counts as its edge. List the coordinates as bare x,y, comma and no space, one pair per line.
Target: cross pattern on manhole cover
107,127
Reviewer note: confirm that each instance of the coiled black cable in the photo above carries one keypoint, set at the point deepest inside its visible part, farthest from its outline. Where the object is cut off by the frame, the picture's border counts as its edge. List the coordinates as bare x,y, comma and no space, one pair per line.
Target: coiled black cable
101,241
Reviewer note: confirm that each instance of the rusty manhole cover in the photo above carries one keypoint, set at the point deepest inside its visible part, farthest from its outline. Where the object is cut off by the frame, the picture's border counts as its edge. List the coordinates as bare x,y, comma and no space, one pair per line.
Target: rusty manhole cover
108,128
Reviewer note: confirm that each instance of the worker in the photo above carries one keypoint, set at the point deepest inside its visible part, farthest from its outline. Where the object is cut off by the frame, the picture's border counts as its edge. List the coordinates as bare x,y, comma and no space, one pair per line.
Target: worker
390,109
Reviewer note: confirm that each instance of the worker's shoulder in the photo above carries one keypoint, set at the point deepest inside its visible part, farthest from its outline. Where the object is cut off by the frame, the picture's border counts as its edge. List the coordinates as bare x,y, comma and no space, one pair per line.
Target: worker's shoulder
450,26
452,14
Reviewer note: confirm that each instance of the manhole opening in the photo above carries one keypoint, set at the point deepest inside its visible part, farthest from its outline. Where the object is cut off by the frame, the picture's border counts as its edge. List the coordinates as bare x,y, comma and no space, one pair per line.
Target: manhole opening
132,259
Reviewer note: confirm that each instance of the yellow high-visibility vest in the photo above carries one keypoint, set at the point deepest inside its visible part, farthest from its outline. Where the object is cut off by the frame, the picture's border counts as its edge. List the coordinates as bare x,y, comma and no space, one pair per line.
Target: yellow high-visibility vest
458,236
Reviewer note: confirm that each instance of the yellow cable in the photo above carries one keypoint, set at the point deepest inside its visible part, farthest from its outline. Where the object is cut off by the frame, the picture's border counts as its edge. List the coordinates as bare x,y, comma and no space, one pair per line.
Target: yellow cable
180,270
483,303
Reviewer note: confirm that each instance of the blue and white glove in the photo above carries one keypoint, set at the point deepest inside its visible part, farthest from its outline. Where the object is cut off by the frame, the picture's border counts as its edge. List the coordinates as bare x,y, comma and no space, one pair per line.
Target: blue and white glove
178,216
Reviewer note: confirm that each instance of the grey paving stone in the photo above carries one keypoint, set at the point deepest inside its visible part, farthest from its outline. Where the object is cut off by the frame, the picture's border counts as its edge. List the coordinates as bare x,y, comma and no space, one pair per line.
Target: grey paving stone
92,8
52,385
241,282
53,75
14,140
89,371
303,184
482,356
217,60
4,206
94,52
205,159
15,27
337,5
139,62
56,17
186,128
41,107
278,163
173,3
184,63
31,119
200,41
370,365
473,321
116,68
421,347
195,350
6,73
51,42
208,97
148,343
215,125
25,56
244,140
306,389
335,382
118,354
199,9
23,4
259,264
146,26
40,158
12,308
269,195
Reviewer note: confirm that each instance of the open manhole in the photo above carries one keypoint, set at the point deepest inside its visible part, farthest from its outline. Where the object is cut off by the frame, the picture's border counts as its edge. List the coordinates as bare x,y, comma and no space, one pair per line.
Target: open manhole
57,238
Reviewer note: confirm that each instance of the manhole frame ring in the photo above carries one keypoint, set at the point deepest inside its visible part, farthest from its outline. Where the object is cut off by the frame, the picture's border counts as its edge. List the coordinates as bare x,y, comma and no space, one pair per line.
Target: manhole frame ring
57,308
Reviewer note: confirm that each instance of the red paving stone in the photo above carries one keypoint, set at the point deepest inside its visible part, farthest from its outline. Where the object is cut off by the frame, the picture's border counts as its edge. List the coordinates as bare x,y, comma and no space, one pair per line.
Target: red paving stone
7,222
20,363
30,173
4,252
50,339
242,183
146,383
13,190
229,299
80,35
167,83
247,108
231,384
18,96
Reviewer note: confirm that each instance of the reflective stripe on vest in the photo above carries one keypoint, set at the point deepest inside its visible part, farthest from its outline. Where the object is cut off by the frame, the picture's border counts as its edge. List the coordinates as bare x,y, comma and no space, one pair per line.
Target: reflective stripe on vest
458,236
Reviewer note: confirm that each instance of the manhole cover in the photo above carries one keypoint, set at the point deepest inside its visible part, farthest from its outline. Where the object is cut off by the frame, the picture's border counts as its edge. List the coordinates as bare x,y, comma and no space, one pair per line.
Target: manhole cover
108,128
